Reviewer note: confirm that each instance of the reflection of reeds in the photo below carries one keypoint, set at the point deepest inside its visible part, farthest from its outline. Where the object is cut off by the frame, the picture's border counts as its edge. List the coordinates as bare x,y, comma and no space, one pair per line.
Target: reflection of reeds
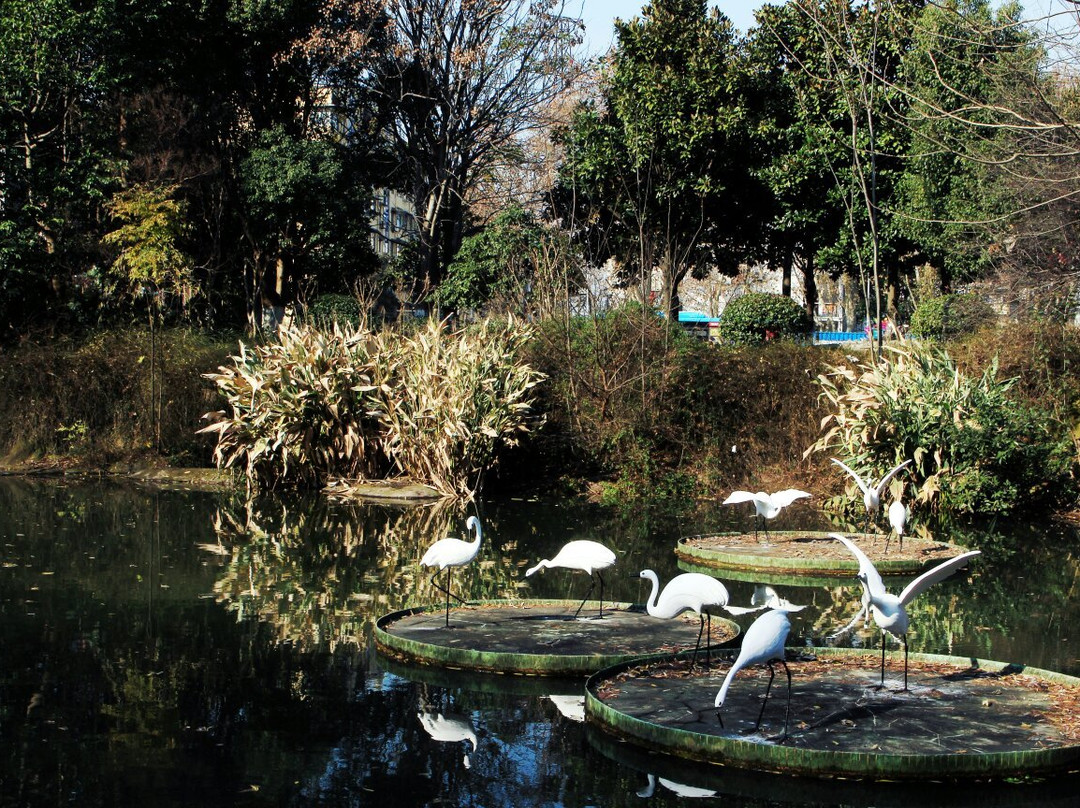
322,573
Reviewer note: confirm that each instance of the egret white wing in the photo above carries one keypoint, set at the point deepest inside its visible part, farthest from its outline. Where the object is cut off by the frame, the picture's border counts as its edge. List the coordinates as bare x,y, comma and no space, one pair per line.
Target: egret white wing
784,498
885,480
938,573
865,488
738,610
740,496
874,584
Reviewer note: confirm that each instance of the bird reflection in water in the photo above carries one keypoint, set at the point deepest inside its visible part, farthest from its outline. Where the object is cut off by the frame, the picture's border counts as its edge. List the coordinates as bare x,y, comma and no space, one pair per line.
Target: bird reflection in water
449,729
681,789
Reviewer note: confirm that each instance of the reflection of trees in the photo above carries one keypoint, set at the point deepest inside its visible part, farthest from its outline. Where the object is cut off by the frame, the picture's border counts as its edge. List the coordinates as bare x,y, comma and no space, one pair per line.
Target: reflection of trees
322,572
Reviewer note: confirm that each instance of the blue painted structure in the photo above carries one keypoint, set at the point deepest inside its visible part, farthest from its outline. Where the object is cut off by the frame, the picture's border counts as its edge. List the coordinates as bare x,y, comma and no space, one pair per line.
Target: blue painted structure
839,336
697,317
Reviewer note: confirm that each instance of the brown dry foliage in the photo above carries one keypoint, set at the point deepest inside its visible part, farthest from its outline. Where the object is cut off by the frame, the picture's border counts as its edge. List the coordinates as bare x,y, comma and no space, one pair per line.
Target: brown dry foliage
629,396
1043,357
88,401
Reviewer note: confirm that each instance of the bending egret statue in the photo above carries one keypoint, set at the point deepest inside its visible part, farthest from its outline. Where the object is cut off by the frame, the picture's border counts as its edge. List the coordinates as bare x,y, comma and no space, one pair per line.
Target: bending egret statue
766,506
690,591
889,610
898,516
447,553
871,497
588,556
449,729
762,643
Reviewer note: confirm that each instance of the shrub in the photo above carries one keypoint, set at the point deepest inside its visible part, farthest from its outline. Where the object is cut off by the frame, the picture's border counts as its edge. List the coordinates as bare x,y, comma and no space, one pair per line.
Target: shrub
757,317
95,399
432,405
637,401
976,450
298,409
950,315
328,309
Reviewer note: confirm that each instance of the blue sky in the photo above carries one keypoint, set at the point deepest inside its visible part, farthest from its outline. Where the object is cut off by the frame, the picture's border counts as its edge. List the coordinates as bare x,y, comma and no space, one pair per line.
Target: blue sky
599,16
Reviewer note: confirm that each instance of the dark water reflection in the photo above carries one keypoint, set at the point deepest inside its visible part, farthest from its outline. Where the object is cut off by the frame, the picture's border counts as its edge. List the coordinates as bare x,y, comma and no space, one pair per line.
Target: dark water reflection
189,648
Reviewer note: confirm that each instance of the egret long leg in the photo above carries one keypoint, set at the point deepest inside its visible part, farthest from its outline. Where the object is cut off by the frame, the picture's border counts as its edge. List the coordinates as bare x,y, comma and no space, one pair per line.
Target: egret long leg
697,645
768,687
882,660
446,589
787,714
600,578
905,661
592,585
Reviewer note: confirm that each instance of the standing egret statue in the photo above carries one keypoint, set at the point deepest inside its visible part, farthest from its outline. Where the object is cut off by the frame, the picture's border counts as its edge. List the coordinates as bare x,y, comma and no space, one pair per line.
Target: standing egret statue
588,556
898,516
889,610
766,506
871,496
690,591
762,643
447,553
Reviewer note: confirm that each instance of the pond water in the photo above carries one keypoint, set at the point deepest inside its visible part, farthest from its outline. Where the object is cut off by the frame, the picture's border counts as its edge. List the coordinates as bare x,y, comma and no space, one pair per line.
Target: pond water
171,647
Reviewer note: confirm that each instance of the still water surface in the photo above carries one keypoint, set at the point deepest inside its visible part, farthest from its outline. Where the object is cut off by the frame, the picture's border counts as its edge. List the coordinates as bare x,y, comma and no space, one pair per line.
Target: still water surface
173,648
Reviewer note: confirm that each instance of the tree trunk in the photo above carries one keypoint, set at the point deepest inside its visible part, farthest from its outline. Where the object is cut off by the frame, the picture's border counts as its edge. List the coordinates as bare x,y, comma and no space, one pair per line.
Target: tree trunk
810,290
785,276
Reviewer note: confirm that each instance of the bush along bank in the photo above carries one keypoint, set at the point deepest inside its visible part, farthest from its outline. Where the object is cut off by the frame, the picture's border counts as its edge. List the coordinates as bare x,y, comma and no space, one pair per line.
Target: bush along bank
623,406
105,398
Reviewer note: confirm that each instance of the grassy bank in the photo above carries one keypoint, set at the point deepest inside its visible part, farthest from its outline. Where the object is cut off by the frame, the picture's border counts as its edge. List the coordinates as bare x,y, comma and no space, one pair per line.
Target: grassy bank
100,400
633,409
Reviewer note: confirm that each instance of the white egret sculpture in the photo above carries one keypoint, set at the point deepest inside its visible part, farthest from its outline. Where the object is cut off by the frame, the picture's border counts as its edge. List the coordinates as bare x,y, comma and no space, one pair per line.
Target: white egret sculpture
898,516
763,643
766,506
871,495
450,552
889,610
680,789
690,591
449,729
581,554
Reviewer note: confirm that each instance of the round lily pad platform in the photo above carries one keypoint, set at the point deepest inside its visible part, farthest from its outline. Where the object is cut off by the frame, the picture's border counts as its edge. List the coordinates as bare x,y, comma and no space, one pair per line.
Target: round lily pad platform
538,637
959,719
669,776
810,553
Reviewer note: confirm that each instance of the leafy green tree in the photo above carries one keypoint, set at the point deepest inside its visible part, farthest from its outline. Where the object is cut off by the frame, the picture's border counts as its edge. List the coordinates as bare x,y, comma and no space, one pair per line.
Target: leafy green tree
464,80
669,156
307,211
499,261
797,139
55,160
945,197
843,60
150,263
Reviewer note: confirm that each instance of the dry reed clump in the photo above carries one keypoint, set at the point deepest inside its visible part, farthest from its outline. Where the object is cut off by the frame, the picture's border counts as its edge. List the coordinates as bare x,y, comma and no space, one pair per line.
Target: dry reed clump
432,405
975,448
